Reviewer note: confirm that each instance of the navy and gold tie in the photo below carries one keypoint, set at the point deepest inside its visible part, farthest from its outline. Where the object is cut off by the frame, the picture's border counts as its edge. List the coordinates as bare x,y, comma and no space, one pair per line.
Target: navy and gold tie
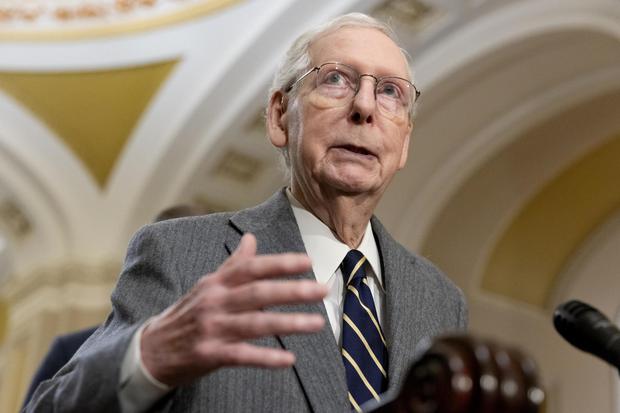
364,350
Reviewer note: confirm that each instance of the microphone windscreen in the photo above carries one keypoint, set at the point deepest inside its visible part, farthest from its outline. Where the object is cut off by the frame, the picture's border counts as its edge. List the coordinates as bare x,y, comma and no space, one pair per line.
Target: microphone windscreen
589,330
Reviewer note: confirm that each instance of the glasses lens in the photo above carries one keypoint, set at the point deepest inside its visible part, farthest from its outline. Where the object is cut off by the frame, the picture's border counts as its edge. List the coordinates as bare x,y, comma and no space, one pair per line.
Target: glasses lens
336,82
394,94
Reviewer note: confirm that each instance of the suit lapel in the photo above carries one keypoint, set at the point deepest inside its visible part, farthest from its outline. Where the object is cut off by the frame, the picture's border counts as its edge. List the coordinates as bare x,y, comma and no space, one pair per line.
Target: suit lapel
319,363
404,296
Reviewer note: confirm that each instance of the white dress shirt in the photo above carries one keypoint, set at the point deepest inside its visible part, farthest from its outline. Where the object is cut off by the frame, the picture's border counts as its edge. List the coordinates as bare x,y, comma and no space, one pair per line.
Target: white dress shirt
139,390
326,253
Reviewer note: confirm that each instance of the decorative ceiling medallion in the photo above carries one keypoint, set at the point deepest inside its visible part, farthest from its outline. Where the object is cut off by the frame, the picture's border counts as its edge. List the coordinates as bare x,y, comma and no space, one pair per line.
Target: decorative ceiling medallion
204,201
411,12
59,19
238,167
13,219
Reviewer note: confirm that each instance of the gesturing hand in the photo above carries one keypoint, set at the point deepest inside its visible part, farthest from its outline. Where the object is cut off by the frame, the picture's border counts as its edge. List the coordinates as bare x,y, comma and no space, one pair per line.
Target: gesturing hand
208,328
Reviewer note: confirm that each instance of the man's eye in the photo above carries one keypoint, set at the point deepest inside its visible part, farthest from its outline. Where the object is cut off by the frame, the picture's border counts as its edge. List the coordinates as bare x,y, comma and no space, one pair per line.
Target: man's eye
334,78
390,90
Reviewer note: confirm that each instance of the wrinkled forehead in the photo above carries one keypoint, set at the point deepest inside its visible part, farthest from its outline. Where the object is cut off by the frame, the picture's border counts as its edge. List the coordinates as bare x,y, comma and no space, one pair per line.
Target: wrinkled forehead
367,49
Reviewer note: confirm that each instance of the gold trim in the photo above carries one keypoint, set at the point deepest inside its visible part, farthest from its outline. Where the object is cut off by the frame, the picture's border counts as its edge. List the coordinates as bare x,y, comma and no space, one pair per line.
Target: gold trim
93,113
106,29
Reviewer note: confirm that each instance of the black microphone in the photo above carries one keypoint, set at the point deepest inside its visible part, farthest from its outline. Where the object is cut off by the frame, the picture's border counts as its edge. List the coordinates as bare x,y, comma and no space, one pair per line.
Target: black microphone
589,330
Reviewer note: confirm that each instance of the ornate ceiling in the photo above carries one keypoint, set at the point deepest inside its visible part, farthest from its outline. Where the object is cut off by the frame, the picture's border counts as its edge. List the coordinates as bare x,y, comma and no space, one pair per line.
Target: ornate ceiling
111,112
100,134
76,19
93,112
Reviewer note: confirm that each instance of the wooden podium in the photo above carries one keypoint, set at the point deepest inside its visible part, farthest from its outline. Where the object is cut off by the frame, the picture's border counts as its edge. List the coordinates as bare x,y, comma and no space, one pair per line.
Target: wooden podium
461,374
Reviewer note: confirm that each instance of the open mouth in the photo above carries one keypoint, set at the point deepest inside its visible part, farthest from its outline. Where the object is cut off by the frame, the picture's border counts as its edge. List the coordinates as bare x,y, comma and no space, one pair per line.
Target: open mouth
355,149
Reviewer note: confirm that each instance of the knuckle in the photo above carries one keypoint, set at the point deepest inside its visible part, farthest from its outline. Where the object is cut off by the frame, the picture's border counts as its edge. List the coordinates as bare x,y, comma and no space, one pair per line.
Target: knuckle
216,296
297,292
249,267
211,326
207,281
270,322
256,293
208,355
211,297
229,356
236,269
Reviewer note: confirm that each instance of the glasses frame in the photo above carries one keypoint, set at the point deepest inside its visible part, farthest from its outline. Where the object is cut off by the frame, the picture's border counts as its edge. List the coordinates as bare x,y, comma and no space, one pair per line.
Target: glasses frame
360,75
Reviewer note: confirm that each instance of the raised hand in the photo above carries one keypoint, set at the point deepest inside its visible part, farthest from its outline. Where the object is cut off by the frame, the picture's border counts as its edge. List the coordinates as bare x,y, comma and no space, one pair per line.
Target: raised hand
208,328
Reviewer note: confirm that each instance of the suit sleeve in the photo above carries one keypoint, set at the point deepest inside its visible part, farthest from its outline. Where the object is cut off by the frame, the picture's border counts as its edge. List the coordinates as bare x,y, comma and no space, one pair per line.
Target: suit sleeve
52,362
91,380
61,351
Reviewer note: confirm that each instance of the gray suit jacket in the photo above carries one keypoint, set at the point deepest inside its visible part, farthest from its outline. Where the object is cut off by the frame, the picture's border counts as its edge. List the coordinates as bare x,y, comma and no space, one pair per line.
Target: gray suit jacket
165,260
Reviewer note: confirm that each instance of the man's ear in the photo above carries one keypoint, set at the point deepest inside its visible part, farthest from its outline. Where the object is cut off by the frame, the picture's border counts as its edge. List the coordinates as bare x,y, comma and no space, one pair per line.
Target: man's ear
405,149
277,127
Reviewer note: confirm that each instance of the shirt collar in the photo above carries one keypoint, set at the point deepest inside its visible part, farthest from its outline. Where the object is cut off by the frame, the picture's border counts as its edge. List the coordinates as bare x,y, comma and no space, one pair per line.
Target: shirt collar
325,250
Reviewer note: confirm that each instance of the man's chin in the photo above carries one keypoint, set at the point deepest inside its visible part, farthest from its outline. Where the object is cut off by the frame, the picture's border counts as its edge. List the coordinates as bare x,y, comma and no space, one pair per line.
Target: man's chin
352,185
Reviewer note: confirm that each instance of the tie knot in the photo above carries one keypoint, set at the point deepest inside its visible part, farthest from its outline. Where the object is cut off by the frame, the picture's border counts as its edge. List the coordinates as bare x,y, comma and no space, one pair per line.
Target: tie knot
353,266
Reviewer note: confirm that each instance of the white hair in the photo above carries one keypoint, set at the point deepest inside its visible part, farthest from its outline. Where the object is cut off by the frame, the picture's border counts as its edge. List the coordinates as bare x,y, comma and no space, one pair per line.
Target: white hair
297,60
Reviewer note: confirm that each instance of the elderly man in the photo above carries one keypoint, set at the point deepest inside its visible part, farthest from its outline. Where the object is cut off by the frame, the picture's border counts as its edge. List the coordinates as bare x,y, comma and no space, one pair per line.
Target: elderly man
228,312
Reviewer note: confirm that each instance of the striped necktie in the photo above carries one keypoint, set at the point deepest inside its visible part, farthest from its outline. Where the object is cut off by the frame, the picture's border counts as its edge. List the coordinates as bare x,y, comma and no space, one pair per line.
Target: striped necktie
363,345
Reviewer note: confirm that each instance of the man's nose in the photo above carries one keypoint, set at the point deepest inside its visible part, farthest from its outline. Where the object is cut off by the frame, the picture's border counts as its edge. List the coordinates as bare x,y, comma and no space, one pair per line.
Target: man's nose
364,103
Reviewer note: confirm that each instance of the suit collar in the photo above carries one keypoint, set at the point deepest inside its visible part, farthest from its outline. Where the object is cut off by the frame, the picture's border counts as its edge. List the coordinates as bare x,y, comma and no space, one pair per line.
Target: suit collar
403,292
273,224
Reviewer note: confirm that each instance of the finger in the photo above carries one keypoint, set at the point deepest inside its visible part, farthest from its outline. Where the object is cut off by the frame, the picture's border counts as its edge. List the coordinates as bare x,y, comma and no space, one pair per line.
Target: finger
249,355
256,324
265,266
245,250
246,247
258,295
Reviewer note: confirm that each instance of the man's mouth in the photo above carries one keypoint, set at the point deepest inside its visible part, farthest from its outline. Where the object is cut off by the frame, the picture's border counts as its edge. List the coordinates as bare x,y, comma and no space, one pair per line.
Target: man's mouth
356,149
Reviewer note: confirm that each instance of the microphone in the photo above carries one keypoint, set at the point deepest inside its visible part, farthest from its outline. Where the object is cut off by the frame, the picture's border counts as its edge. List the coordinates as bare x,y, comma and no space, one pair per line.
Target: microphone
589,330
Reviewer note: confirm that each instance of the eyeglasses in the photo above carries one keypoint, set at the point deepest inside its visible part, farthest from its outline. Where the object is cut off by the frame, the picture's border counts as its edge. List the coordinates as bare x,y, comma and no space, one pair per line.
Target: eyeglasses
338,84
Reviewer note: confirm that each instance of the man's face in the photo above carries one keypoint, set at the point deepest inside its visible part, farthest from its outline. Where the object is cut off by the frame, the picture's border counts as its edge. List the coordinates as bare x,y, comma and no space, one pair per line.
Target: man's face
353,148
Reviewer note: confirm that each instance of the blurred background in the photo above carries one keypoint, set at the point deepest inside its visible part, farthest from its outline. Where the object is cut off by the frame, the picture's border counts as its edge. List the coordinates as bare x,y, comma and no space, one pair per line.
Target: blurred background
112,110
